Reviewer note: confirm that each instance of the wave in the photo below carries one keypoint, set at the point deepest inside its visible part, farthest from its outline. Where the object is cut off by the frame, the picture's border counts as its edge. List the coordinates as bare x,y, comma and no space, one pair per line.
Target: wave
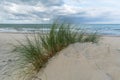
100,28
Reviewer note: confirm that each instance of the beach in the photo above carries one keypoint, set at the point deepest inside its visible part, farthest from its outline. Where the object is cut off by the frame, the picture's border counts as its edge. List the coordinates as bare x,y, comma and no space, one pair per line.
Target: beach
79,61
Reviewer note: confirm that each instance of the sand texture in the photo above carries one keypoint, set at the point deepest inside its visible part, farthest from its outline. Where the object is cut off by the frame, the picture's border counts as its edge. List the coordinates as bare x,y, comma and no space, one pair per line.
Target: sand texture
86,61
79,61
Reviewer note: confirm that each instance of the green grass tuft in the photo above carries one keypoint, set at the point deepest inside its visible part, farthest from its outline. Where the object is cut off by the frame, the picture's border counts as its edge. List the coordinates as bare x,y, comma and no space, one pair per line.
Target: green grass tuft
38,49
31,51
93,37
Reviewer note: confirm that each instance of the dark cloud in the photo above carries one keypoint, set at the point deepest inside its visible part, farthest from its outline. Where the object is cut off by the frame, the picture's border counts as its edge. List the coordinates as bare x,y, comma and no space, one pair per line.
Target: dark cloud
52,2
80,19
30,2
34,2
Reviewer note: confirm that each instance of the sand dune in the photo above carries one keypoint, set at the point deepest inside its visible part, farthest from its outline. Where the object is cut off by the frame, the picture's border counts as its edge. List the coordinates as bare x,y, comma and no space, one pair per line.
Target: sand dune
79,61
86,61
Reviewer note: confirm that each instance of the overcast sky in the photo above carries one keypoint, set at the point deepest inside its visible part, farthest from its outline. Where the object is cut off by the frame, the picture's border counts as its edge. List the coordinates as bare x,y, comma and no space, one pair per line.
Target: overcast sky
73,11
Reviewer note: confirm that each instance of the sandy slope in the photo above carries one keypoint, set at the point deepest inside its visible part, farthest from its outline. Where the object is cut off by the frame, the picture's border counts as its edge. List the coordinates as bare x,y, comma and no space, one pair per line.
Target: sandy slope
7,59
86,62
77,62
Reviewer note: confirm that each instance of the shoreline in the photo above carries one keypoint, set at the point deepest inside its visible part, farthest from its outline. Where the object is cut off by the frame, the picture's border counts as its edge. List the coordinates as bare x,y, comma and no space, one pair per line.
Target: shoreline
45,33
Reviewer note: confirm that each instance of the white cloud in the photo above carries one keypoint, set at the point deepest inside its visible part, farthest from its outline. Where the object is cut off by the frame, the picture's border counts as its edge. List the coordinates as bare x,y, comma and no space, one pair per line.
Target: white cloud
19,12
21,8
65,9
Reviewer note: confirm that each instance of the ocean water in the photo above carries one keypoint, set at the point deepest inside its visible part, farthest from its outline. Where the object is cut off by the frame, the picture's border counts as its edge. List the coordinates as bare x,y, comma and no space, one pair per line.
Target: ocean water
102,29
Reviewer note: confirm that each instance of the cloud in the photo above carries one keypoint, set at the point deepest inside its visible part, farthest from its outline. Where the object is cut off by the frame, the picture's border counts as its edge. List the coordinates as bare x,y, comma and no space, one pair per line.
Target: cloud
44,11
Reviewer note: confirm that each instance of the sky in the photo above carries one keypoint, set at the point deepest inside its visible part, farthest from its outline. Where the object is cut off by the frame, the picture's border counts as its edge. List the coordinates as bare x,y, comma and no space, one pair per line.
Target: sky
71,11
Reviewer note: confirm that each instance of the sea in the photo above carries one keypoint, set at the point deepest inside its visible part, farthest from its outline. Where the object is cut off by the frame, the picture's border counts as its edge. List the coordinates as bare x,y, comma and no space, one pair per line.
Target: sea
101,29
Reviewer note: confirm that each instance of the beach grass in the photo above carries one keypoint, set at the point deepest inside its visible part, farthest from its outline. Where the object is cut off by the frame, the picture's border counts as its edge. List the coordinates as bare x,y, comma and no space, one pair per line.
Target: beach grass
37,49
92,37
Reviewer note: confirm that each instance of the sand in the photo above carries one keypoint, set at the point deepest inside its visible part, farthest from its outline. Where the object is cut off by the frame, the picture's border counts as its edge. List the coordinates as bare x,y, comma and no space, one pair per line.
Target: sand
79,61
